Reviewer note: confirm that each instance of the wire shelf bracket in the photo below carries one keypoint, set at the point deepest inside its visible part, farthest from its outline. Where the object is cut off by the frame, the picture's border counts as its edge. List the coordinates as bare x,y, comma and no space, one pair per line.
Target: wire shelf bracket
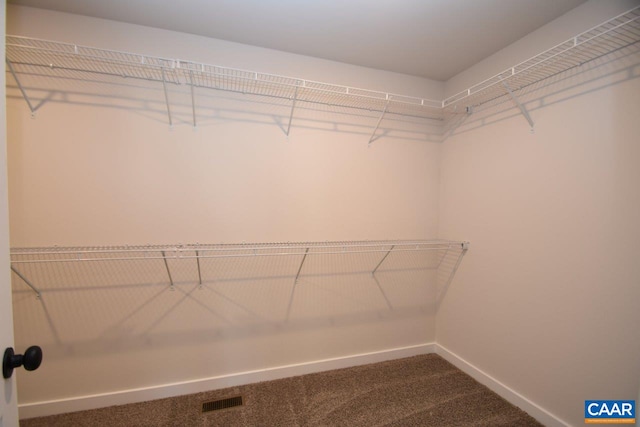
522,108
382,260
24,93
295,283
166,264
27,282
193,100
199,272
293,106
306,252
373,134
166,97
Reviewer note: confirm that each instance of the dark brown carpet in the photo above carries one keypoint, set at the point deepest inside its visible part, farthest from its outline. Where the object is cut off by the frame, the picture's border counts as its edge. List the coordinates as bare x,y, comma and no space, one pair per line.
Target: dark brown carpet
417,391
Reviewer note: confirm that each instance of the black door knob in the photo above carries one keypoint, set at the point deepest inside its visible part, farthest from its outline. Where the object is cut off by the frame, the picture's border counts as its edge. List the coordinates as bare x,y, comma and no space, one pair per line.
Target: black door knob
31,360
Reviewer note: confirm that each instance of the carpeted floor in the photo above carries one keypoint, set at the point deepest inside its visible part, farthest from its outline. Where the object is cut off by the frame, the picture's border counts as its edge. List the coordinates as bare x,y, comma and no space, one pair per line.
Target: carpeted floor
417,391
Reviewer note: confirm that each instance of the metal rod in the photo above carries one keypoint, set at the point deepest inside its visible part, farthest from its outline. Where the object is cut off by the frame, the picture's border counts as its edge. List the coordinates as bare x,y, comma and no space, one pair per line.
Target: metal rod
293,289
379,121
24,93
166,264
293,106
193,99
301,264
24,279
382,260
522,108
199,274
166,98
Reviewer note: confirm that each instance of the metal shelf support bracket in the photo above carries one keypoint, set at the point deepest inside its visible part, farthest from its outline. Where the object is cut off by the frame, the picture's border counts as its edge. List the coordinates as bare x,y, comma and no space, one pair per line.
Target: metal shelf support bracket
28,283
193,99
24,93
199,273
293,289
522,108
373,134
166,97
382,260
166,264
306,252
293,106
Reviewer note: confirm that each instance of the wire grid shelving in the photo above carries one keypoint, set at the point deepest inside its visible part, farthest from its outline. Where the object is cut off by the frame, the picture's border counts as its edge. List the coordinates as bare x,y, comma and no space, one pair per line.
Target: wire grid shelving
250,82
611,36
234,250
197,252
68,57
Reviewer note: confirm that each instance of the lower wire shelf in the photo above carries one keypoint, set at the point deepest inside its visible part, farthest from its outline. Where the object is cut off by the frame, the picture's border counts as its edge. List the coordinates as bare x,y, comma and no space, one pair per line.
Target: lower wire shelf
166,256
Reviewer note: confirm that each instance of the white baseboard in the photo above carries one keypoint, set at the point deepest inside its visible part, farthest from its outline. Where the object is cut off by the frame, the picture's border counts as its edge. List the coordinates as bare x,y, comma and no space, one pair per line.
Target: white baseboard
81,403
542,415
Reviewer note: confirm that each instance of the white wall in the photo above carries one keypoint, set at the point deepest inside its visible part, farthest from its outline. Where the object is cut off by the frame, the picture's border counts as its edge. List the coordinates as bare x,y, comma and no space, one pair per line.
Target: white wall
546,302
98,165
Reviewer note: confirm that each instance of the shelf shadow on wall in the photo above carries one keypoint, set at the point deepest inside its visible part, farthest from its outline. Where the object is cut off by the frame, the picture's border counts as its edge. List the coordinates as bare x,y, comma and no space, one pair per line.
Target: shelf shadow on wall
208,107
593,76
91,308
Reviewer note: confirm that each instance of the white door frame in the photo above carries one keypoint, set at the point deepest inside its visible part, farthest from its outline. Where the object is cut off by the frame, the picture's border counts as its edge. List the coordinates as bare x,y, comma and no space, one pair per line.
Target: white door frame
8,397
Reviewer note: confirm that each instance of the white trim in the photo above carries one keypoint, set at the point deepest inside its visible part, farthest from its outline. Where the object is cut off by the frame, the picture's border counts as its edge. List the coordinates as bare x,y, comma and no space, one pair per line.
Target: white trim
539,413
80,403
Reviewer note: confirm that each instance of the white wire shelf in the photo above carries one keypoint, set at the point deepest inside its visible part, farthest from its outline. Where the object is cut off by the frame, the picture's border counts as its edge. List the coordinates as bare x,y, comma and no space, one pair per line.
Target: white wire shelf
194,253
611,36
24,51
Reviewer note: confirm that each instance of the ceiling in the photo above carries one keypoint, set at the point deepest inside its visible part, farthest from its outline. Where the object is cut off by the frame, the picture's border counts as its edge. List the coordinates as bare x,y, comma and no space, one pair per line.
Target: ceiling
435,39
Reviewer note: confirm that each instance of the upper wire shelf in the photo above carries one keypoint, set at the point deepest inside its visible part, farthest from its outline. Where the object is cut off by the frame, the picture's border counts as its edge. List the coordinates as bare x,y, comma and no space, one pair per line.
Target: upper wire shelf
63,56
613,35
608,37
